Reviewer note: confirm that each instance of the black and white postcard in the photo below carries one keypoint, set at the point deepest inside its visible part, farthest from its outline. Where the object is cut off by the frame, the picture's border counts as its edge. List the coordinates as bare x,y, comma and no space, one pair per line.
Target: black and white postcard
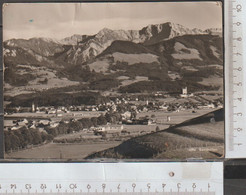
135,80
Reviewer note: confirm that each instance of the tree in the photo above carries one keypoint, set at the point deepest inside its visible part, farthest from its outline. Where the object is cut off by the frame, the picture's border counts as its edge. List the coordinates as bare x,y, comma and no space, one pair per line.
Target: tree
26,135
14,141
22,144
94,121
152,116
86,122
61,129
36,135
101,120
104,135
75,126
108,116
44,136
133,114
157,129
7,141
52,131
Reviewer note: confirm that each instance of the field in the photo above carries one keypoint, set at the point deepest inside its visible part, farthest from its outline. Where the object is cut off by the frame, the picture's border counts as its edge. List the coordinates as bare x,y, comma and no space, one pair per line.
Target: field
134,58
137,129
176,117
61,151
202,141
53,117
189,54
199,137
81,144
126,81
213,81
99,66
45,78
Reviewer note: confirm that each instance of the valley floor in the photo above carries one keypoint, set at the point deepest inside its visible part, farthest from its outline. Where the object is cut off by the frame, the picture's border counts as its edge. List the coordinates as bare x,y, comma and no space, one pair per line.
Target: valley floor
82,144
63,151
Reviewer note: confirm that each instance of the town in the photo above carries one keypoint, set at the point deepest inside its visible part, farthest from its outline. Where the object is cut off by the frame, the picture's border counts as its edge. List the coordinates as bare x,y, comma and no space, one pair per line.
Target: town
115,121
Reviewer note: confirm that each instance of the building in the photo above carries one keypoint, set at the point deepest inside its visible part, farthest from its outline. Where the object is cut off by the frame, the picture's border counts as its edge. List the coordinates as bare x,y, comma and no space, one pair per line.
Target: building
113,127
9,123
126,115
209,106
43,123
33,107
185,93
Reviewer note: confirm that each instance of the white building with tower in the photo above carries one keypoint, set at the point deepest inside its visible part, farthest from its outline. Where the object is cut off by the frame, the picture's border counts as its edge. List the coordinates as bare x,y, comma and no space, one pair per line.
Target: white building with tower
33,107
185,93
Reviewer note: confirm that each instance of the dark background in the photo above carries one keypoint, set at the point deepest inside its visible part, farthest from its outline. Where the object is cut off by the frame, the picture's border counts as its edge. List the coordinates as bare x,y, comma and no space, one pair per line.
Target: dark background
235,177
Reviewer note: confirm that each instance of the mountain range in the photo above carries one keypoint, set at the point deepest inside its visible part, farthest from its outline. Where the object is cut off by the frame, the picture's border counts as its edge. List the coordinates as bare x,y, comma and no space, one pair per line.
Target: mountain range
160,56
85,47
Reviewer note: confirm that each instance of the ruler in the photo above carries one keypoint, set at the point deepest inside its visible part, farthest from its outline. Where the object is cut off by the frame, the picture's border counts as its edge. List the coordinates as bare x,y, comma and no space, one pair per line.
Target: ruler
235,72
203,178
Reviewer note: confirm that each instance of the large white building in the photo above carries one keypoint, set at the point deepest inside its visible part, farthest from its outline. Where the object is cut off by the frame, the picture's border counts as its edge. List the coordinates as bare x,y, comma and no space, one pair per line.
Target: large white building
185,93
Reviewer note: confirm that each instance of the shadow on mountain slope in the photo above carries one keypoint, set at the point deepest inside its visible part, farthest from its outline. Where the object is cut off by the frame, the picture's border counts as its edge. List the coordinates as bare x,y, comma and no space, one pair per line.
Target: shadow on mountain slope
200,137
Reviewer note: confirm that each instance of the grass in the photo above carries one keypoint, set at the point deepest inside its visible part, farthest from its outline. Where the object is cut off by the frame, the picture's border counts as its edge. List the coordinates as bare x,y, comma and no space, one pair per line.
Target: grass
213,81
210,131
146,128
99,66
204,139
210,153
140,143
53,117
176,117
135,58
58,151
180,55
126,82
37,84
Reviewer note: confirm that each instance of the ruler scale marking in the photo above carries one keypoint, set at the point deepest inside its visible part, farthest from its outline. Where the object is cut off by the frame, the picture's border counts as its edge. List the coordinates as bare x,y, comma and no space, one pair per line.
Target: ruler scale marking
204,178
124,193
234,82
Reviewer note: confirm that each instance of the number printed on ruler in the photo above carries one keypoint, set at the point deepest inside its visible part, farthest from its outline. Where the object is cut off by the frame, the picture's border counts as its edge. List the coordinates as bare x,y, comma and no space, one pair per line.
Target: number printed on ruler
186,188
112,178
237,71
235,15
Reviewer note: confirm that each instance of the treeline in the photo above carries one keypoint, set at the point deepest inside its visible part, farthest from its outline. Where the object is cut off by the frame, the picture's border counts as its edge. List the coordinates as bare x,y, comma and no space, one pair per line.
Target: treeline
13,78
104,84
169,86
154,70
150,86
56,99
25,137
75,126
203,72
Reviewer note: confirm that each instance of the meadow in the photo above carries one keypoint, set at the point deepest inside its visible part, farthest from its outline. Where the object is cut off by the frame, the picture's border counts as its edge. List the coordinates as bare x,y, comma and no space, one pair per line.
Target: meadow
53,151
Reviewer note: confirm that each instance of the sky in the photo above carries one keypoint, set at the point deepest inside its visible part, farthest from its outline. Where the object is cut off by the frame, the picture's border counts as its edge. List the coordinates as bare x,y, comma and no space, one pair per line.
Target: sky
60,20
